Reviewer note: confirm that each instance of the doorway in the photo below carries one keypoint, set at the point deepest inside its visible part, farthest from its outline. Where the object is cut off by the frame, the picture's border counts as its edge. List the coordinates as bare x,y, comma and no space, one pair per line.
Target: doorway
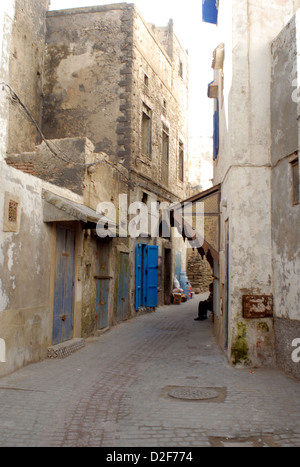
146,276
227,281
123,288
167,276
102,283
64,285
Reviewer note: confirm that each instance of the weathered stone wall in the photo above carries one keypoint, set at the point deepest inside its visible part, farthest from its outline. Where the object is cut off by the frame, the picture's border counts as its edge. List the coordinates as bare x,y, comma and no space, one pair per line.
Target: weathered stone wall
65,169
95,68
285,213
82,75
199,271
26,61
286,331
25,252
243,167
166,95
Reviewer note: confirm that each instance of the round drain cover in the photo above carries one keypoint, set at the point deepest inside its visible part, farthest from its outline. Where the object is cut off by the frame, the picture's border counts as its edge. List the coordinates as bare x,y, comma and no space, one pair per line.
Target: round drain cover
193,393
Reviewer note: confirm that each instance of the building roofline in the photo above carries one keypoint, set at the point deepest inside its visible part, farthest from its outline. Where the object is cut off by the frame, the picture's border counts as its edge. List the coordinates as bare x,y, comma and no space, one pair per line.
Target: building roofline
89,9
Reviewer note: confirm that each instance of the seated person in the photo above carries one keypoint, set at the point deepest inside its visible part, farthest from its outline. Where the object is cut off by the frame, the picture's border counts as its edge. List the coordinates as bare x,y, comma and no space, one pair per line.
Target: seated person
205,305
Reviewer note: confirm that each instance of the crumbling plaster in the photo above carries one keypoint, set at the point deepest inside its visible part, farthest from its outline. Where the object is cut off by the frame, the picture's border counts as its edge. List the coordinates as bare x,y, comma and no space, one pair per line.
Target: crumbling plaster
243,166
285,213
26,58
94,86
25,260
83,57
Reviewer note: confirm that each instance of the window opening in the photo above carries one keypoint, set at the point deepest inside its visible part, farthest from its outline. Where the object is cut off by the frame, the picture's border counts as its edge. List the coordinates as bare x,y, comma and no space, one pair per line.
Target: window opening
12,211
146,131
295,181
181,69
181,161
165,144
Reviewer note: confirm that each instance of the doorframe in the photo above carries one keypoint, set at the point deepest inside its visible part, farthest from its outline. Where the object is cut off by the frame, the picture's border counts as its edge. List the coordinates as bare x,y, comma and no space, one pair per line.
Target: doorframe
167,264
107,276
227,284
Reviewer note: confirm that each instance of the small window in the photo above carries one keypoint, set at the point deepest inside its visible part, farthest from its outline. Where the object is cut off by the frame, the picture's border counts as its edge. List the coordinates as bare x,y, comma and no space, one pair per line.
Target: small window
146,79
216,130
181,69
146,131
145,198
11,213
295,181
181,162
165,144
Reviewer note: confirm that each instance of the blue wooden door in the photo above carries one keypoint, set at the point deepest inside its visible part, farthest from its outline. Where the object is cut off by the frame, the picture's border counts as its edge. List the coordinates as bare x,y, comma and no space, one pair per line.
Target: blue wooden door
151,276
64,285
146,276
123,288
138,277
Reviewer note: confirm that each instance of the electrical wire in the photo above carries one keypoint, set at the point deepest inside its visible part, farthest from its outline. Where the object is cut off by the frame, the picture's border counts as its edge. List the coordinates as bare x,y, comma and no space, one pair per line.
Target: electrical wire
14,96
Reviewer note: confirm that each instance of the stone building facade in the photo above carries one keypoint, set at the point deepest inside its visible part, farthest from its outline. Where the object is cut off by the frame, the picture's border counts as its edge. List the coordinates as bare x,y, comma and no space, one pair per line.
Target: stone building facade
285,113
123,83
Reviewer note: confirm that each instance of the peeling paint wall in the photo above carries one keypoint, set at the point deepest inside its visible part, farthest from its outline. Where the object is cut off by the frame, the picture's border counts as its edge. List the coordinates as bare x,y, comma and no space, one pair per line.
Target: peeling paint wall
102,65
25,260
24,256
243,168
285,214
6,24
57,169
82,75
26,60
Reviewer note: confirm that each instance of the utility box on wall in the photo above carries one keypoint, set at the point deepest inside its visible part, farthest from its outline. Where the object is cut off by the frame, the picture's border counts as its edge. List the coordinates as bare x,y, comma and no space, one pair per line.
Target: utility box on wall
257,306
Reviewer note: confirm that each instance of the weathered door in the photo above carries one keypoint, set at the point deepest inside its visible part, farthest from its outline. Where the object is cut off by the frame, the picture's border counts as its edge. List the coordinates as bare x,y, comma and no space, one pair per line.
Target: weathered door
146,276
64,285
138,276
123,283
167,276
102,284
150,283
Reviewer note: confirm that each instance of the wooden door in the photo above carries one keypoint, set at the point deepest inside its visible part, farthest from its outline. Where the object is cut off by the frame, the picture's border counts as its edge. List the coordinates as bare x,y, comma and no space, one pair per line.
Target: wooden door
103,284
123,288
64,285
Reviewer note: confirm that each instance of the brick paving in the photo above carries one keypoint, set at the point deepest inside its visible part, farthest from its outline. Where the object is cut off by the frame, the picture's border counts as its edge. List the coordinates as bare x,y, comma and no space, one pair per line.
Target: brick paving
114,392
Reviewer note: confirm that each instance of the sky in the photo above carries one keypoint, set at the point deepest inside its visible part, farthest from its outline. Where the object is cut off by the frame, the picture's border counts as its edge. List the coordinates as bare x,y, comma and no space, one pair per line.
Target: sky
200,39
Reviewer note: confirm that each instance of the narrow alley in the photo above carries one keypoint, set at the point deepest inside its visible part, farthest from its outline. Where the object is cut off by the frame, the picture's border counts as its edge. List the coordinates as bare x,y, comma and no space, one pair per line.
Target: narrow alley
158,380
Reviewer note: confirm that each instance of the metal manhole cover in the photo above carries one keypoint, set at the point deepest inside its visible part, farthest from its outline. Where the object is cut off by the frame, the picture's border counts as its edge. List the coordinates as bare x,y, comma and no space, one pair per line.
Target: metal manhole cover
194,394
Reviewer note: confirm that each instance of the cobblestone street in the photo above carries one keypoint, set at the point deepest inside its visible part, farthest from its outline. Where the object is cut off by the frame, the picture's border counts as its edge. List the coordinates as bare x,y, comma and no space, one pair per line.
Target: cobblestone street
115,392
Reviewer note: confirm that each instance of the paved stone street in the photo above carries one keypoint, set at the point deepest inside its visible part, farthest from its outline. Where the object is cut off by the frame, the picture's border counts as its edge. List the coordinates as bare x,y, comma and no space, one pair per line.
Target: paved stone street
115,392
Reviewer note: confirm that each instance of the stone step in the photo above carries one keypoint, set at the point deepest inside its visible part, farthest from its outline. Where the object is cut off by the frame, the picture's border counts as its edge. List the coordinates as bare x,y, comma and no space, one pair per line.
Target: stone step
65,349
